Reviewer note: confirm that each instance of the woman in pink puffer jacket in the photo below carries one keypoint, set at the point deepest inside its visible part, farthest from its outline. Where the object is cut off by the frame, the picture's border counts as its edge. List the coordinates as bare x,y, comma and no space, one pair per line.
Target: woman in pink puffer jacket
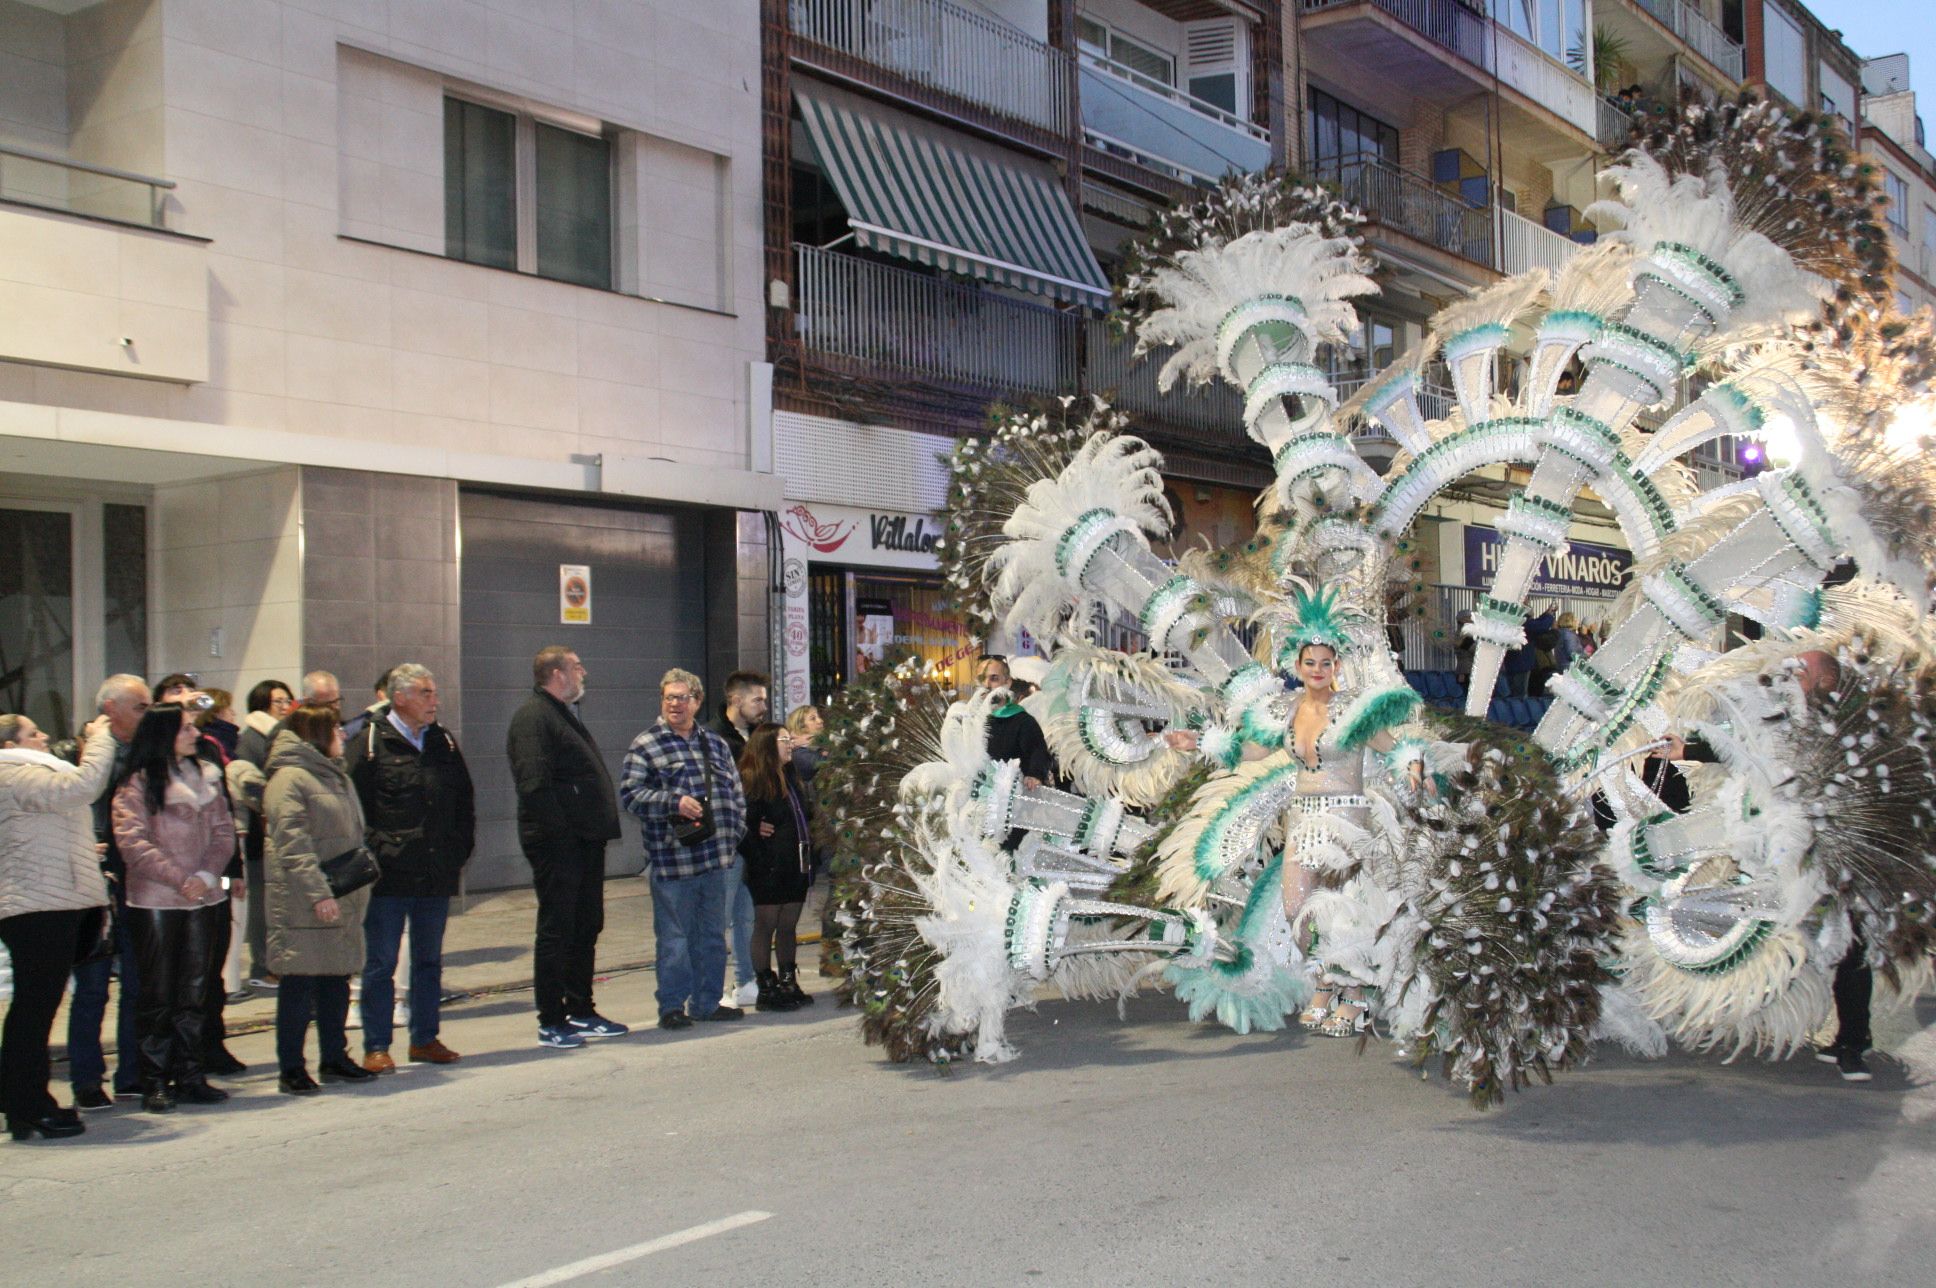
173,828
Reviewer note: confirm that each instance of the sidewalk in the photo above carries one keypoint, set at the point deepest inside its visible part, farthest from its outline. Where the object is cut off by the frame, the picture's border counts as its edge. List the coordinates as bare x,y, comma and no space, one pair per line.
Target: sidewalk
487,950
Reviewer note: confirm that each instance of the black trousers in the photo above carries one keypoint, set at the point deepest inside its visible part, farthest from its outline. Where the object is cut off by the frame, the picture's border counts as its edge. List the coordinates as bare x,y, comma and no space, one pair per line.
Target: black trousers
327,999
215,1028
41,945
569,877
1854,981
176,949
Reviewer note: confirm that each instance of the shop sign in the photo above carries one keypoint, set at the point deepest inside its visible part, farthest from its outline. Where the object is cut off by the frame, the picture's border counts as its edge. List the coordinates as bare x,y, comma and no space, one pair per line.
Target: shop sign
860,538
575,594
1581,569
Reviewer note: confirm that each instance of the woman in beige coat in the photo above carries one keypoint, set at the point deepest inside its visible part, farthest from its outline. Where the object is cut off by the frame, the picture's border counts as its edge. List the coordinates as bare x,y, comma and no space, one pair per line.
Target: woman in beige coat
50,886
315,939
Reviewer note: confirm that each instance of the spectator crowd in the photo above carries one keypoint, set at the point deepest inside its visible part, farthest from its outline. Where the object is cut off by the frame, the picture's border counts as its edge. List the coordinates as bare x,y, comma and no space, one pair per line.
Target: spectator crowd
173,843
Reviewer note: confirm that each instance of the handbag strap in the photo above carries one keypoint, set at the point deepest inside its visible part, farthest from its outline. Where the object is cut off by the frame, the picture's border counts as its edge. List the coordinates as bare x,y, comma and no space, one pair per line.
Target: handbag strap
706,763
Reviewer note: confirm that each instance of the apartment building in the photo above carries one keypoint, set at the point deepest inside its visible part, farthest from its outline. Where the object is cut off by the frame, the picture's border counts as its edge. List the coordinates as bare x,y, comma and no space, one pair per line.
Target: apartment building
948,187
339,334
1892,133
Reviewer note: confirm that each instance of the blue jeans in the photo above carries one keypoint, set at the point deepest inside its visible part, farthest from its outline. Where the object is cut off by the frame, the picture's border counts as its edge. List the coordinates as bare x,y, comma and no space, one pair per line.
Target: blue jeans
739,920
87,1063
382,937
689,923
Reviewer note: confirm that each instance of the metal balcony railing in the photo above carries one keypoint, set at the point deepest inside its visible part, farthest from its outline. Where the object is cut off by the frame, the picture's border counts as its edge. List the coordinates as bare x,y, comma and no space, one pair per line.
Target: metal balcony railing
35,178
1216,410
1706,39
1443,22
1614,127
1525,245
853,308
1414,205
948,48
1151,85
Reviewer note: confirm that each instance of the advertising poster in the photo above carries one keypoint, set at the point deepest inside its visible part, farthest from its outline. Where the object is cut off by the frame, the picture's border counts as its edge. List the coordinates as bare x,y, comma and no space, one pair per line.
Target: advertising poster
575,594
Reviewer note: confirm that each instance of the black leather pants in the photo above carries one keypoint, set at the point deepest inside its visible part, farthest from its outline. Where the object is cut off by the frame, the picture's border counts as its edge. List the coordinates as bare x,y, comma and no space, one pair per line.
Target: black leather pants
176,949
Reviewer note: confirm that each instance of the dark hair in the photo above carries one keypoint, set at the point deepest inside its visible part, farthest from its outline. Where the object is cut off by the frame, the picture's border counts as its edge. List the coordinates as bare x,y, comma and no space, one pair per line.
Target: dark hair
759,764
549,661
263,694
174,678
151,753
740,681
313,724
382,685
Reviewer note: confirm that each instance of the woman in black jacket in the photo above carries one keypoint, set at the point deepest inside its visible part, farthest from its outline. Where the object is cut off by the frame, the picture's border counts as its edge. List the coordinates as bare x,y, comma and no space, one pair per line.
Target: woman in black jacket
778,858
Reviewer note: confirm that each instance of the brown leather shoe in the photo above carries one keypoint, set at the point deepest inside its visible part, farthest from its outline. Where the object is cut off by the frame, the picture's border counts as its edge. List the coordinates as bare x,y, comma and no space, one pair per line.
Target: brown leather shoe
433,1052
379,1062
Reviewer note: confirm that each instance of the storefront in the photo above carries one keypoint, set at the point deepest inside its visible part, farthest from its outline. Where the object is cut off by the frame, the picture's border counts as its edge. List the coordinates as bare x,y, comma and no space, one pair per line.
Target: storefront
859,583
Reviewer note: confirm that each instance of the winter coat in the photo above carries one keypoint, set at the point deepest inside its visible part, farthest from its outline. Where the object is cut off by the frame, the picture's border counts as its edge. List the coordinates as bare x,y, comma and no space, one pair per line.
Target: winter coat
1525,658
418,806
193,836
564,790
777,868
312,813
259,729
47,859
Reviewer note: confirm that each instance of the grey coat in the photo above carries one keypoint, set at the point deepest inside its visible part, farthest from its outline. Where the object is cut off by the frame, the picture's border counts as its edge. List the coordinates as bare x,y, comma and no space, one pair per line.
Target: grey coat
312,814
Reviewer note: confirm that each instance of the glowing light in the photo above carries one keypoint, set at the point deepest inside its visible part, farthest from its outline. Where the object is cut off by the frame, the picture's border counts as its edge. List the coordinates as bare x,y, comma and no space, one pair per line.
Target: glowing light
1780,441
1914,425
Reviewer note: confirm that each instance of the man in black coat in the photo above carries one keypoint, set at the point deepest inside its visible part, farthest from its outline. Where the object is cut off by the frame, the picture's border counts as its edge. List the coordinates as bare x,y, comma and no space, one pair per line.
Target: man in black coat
567,812
420,814
1013,733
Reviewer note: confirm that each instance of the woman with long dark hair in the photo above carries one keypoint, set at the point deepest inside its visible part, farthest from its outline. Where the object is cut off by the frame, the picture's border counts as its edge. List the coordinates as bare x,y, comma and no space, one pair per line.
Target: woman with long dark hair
174,831
778,854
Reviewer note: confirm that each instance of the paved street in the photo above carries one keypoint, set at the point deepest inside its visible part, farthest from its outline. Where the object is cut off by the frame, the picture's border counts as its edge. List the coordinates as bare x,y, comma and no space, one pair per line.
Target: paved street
1147,1151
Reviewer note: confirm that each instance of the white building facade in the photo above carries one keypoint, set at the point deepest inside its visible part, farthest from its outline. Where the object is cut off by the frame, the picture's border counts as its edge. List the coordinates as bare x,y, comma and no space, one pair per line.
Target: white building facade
332,332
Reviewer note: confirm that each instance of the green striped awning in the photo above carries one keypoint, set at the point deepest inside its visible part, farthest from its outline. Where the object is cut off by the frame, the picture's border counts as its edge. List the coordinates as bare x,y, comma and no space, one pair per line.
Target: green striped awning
928,195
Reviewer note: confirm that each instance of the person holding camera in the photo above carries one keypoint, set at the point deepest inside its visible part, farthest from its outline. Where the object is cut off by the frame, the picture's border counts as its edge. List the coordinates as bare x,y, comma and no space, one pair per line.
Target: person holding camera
680,780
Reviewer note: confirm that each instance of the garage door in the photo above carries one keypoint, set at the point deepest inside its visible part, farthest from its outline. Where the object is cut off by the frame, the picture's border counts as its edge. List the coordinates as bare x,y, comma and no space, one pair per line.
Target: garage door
648,614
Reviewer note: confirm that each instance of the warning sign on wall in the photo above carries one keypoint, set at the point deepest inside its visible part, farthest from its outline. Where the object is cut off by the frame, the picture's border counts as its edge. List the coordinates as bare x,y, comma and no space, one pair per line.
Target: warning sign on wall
574,594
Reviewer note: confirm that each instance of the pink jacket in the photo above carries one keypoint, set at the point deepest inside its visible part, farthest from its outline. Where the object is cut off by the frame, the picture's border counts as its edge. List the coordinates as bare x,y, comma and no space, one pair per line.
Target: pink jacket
194,835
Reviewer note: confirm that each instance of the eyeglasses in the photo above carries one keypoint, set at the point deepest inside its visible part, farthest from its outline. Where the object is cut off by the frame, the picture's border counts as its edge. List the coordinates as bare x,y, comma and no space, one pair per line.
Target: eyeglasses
671,699
785,737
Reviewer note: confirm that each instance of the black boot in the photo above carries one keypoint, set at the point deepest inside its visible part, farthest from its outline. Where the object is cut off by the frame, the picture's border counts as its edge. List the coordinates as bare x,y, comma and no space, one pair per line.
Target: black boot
790,985
772,996
157,1097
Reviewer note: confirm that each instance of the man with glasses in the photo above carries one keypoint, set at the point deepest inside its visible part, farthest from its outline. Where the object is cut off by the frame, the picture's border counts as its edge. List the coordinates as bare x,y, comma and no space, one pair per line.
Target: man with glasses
566,815
679,776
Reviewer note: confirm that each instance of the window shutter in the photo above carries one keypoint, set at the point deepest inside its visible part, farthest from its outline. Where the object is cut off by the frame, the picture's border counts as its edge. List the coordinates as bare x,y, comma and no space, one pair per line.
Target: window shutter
1216,60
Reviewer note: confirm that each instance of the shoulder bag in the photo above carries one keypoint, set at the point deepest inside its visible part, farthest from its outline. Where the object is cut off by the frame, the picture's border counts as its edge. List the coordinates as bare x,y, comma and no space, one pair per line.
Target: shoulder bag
350,871
696,831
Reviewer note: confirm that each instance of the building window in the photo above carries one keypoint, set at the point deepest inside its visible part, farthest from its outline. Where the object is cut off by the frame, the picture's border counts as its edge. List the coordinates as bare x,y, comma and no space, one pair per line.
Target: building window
1556,26
524,194
1344,139
1786,55
1100,40
1897,191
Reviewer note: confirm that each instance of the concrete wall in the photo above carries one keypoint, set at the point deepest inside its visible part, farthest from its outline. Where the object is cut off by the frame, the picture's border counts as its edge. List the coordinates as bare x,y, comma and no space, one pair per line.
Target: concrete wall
228,557
379,580
33,77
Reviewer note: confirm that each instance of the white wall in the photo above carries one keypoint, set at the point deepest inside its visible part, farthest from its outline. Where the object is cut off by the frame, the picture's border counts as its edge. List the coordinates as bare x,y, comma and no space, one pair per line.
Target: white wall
228,556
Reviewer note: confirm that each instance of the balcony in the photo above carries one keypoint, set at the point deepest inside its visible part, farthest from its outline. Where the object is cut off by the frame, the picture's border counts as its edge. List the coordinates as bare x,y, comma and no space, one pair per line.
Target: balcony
872,316
1215,411
1700,35
1130,114
878,316
91,279
1558,88
1525,245
946,48
1445,23
1416,207
1612,127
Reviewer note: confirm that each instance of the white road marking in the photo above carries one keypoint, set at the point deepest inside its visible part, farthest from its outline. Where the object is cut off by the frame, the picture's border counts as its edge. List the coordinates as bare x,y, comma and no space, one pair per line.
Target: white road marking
605,1261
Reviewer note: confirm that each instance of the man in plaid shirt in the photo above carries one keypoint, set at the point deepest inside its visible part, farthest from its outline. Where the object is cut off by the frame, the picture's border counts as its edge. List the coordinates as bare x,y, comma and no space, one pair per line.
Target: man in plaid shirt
665,777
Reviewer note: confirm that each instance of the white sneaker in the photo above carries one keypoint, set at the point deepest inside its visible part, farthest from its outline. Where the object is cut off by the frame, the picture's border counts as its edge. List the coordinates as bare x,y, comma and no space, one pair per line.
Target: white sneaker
748,993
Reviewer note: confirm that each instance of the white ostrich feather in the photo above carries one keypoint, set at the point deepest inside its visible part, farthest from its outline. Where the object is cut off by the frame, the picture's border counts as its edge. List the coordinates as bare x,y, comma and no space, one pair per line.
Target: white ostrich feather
1080,669
1202,286
1222,818
964,750
1117,473
1771,1003
969,889
1624,1020
1650,206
